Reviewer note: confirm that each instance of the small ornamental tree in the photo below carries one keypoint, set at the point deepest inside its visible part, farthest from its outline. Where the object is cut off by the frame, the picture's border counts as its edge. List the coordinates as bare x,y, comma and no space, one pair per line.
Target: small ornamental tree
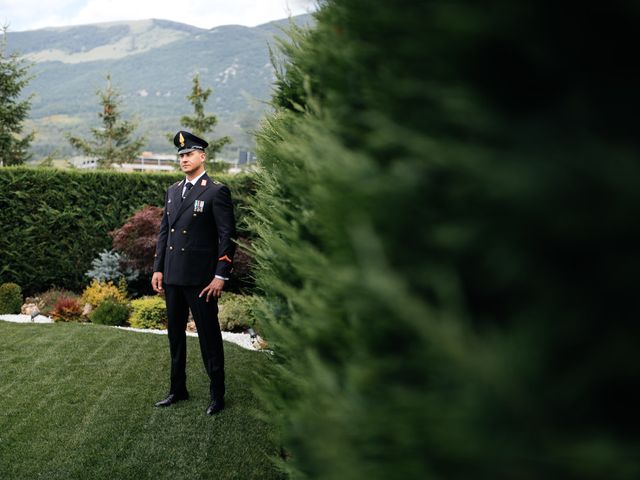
113,143
14,76
111,266
136,239
201,124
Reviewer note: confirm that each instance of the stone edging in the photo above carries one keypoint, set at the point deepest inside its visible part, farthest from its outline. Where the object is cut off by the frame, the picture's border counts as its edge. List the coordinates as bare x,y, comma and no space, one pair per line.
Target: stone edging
243,340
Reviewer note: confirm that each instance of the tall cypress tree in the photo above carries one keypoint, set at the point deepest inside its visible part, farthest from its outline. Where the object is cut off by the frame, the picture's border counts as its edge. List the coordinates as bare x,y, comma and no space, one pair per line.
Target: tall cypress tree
14,76
112,143
448,245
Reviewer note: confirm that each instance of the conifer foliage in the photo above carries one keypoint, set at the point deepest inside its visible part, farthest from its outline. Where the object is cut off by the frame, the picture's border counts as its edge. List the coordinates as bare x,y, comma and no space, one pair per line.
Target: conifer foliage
447,242
113,142
14,109
201,124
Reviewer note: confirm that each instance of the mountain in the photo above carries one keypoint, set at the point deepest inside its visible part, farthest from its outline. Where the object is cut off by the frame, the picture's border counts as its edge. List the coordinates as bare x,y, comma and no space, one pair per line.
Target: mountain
151,63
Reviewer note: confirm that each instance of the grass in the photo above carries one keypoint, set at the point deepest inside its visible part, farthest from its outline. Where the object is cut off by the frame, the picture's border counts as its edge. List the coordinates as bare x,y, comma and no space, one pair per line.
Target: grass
76,402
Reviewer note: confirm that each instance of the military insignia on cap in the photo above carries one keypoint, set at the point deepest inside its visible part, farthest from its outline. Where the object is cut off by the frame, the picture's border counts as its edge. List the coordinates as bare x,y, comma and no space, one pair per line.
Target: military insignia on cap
187,142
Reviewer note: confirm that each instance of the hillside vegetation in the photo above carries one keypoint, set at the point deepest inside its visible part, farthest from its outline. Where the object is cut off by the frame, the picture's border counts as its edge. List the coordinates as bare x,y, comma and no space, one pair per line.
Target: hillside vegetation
152,63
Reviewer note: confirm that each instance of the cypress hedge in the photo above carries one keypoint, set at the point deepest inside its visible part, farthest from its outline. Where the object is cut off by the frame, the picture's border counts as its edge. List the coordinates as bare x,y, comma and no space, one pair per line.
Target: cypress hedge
54,222
447,242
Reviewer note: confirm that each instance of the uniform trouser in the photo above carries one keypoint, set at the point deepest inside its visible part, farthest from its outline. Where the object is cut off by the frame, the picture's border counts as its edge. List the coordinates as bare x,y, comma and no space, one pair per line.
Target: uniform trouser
179,300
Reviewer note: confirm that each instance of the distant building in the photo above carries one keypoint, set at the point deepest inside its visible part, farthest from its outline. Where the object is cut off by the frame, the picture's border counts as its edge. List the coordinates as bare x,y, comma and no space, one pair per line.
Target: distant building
84,162
145,162
245,157
160,162
150,162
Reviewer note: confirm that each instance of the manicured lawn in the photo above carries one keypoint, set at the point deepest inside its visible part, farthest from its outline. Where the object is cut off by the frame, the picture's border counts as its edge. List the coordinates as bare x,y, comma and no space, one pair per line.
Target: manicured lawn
76,402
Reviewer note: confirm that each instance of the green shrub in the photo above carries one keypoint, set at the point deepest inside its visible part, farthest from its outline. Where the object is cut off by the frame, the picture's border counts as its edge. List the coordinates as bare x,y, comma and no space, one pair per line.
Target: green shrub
82,208
110,312
149,312
236,312
10,298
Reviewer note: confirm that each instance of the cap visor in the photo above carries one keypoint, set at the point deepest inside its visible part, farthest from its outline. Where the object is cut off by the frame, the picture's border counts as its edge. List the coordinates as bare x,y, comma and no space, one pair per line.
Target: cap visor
186,150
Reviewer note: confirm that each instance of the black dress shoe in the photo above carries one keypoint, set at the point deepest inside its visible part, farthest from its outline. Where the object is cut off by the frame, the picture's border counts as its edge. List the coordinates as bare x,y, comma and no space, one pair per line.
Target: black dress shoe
215,406
171,399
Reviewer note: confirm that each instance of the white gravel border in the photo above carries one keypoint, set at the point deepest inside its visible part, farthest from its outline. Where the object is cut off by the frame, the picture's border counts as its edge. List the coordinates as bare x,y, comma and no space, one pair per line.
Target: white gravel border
241,339
25,319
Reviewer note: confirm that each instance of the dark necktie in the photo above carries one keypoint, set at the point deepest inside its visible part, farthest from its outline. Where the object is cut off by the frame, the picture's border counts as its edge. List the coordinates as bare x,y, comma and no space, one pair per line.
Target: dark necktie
187,187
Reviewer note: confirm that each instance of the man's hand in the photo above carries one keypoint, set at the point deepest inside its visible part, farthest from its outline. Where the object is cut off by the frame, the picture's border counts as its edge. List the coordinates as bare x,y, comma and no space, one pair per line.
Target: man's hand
156,282
213,289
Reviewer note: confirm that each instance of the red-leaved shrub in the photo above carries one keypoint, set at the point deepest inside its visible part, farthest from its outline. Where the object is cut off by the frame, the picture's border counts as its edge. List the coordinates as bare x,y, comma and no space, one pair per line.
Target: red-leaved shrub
67,309
136,239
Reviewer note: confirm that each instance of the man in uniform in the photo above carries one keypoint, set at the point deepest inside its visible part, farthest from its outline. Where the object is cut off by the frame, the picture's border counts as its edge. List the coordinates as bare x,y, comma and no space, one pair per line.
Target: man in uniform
193,259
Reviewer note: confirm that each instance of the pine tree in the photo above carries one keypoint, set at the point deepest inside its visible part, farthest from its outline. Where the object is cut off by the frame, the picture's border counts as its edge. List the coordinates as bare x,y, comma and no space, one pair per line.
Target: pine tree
14,76
201,124
112,143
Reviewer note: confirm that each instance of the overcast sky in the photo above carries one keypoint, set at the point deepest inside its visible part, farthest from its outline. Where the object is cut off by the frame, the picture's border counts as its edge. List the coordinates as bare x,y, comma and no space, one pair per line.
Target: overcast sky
32,14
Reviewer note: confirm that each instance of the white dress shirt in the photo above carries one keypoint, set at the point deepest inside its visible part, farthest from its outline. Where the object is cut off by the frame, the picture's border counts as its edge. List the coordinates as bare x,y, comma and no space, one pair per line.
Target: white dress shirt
192,182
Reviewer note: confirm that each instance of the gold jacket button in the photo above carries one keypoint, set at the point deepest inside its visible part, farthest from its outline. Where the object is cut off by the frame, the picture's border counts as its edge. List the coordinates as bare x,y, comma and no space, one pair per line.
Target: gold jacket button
184,232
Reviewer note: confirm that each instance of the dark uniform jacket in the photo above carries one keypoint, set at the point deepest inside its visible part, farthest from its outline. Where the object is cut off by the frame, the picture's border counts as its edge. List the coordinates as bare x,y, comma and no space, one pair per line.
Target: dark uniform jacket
196,234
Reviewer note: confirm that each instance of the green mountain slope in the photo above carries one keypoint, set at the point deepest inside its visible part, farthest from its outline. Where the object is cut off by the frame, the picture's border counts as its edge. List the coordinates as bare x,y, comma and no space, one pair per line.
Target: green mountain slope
151,63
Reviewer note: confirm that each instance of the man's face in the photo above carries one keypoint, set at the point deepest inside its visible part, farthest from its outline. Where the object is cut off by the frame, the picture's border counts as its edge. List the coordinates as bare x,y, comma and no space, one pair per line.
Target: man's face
191,162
